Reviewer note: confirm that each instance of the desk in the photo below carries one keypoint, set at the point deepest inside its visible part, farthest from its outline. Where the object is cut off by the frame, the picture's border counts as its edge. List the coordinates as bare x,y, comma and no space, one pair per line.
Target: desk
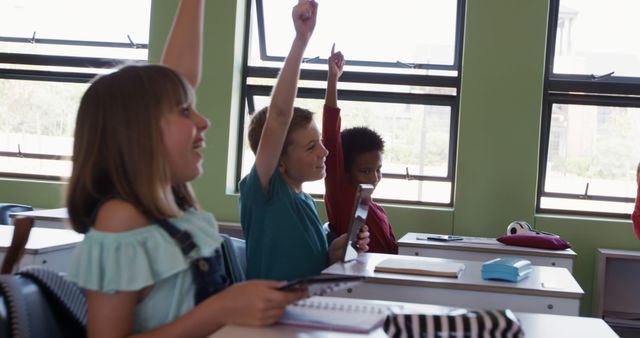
560,295
46,218
482,249
50,247
534,325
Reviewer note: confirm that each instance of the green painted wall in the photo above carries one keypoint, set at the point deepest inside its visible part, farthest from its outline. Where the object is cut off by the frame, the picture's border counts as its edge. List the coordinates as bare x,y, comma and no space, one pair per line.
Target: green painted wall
499,130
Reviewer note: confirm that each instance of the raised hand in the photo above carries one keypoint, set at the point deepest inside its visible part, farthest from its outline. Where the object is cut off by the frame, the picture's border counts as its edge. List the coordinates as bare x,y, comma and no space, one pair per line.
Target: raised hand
304,18
335,64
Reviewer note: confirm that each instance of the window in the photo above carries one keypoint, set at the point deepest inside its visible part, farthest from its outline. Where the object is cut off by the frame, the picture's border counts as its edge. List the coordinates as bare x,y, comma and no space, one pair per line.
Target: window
401,79
591,111
49,51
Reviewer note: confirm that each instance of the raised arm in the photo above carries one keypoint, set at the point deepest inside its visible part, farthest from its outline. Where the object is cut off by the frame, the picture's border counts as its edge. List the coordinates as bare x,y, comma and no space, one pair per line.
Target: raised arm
335,65
183,51
284,92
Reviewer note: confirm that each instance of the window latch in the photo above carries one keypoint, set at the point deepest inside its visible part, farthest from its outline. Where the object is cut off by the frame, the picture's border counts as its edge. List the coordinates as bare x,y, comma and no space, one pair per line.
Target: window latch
33,38
131,43
408,65
407,176
595,77
311,60
586,193
20,154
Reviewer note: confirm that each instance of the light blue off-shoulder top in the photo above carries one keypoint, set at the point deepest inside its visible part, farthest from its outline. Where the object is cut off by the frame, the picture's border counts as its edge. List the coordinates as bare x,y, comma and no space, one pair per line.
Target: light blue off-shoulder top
128,261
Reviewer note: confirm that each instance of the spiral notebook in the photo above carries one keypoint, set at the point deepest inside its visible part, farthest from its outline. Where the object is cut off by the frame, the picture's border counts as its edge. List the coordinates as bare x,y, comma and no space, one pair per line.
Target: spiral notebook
337,314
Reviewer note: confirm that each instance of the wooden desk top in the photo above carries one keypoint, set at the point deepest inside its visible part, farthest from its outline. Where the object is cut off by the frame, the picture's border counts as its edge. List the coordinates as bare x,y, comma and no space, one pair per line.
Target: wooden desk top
543,281
59,214
41,239
479,244
534,325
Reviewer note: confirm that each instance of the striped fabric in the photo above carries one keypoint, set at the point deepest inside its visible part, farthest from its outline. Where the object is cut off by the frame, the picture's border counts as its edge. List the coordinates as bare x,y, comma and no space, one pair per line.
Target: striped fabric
460,324
66,293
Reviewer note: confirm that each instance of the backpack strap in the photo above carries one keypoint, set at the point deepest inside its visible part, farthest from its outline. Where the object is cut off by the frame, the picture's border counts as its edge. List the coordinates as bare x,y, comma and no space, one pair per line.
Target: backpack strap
18,316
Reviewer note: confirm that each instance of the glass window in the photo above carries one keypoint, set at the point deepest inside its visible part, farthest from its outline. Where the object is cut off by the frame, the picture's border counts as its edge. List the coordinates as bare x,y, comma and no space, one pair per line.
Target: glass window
401,79
591,115
49,51
427,31
417,146
596,37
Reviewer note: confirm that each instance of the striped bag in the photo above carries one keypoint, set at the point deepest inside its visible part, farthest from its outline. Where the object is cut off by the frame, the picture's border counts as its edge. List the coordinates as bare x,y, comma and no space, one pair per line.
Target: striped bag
456,324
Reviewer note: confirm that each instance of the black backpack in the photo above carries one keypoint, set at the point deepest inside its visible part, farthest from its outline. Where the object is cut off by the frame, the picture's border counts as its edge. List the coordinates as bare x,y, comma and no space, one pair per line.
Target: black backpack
39,302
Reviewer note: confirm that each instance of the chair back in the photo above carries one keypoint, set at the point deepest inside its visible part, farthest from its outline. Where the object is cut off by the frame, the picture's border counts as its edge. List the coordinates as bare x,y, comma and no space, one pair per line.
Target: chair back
235,258
326,228
21,230
7,208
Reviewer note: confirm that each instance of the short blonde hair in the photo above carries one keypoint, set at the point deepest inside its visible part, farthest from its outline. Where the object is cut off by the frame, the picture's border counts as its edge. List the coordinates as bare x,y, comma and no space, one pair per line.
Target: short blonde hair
118,149
301,118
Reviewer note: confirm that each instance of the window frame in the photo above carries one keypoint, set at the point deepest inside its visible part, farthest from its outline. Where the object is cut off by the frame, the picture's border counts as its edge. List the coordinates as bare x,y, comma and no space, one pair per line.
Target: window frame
248,91
577,89
27,59
398,64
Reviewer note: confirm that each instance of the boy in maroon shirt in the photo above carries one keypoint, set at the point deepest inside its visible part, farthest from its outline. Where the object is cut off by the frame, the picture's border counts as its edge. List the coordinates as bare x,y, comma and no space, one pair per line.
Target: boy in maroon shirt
355,157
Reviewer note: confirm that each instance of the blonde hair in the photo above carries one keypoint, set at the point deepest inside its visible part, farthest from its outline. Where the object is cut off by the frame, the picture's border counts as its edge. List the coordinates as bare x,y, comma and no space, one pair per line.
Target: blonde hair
118,149
301,118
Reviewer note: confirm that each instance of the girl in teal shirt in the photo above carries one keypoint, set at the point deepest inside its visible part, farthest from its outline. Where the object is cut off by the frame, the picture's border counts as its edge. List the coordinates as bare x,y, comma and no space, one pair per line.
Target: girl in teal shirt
138,141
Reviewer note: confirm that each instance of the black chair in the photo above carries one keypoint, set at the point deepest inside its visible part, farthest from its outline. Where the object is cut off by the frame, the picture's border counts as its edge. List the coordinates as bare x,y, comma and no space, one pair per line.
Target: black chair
326,228
7,208
39,302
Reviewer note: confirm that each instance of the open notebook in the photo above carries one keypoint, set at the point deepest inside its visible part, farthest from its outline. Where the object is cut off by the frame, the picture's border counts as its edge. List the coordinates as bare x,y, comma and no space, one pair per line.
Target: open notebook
337,314
420,267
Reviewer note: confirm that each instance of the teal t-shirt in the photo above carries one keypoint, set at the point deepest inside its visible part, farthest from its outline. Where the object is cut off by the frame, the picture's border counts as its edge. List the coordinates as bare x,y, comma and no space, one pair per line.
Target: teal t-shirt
282,229
132,260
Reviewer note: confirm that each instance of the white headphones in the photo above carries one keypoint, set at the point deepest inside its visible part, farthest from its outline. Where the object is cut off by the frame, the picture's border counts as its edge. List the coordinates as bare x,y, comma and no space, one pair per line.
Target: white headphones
522,227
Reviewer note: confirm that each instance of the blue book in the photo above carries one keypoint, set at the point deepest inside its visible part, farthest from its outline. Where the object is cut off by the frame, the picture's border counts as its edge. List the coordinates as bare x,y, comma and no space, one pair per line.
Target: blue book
510,269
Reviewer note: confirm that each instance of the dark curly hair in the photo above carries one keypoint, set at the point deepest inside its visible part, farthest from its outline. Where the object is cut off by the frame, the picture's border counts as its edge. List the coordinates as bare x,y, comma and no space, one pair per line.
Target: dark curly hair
357,141
301,118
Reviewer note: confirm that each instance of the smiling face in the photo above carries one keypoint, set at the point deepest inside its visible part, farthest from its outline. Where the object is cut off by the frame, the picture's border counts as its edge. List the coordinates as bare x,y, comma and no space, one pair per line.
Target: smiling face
303,158
183,134
366,168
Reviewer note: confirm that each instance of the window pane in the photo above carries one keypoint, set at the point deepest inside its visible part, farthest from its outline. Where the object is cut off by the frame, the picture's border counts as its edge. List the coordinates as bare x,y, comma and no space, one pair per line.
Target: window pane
586,205
594,145
598,37
80,20
416,139
399,190
38,117
30,166
383,31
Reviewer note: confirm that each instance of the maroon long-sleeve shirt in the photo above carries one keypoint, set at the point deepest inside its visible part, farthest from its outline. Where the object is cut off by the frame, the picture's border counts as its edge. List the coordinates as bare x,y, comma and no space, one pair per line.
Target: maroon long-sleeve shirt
340,193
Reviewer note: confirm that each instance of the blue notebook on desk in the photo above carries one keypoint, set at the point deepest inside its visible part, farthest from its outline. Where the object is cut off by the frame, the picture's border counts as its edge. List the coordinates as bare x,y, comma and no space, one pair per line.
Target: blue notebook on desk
510,269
